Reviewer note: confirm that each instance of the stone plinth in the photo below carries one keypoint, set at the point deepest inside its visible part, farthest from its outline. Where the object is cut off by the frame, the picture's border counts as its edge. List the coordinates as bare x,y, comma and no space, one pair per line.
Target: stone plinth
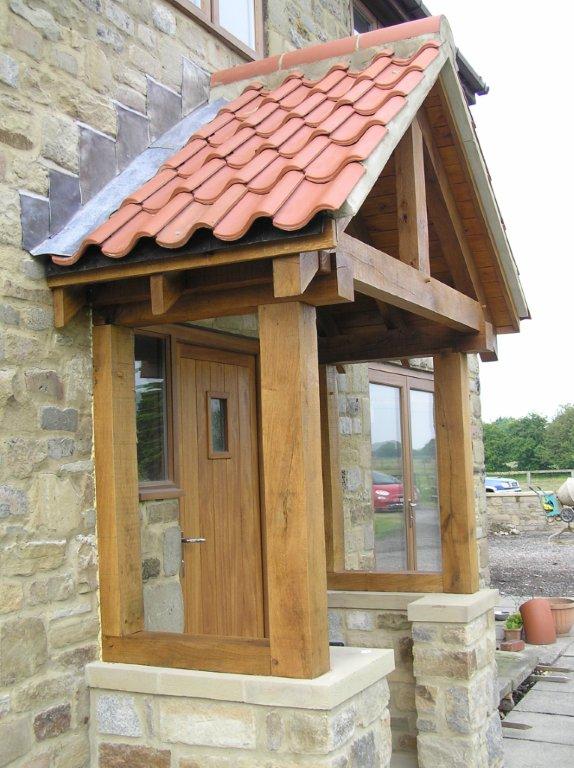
151,716
456,681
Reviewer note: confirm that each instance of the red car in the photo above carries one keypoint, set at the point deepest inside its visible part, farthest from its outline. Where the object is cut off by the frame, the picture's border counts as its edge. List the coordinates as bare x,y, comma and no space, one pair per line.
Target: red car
388,493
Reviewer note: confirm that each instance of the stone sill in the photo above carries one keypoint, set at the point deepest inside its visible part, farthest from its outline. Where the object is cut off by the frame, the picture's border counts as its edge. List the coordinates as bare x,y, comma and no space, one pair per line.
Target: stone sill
436,607
377,601
352,671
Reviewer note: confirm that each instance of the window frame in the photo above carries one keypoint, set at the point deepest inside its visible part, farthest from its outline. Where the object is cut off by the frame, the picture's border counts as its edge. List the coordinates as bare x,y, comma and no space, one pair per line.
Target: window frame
338,578
154,490
367,13
207,14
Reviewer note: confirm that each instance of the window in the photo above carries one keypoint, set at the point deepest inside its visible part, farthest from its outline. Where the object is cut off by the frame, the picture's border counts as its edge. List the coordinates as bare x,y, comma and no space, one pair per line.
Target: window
152,407
218,426
363,19
237,21
405,482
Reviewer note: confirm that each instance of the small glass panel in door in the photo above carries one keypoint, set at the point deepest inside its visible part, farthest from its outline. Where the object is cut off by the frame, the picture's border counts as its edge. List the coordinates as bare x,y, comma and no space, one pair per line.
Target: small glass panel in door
425,481
388,478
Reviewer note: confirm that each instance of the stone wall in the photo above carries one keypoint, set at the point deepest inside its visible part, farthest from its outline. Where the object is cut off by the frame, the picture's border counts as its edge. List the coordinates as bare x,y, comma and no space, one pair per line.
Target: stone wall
161,565
520,512
296,23
161,718
384,628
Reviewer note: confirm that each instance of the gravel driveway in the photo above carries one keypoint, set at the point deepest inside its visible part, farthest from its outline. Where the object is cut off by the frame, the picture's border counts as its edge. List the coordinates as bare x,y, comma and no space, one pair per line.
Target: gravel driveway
527,564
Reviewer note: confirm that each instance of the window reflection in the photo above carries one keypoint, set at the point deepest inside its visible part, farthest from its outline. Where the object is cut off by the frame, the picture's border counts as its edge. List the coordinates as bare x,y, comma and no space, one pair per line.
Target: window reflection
238,17
425,480
388,478
151,401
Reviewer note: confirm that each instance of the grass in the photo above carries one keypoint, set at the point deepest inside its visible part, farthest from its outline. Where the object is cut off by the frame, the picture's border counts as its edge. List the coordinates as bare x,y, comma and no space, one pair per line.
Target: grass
547,481
387,523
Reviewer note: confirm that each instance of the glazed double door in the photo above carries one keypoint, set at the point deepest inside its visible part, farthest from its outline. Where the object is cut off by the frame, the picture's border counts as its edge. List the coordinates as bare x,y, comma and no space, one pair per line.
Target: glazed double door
222,575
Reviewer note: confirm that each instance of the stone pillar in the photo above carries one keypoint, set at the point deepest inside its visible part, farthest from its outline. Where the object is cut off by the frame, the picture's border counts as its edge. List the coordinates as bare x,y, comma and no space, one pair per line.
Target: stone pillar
456,680
161,717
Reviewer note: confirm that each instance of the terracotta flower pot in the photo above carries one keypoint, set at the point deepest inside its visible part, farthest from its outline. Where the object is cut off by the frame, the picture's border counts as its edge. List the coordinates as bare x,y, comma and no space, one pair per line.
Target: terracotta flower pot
512,634
538,621
562,609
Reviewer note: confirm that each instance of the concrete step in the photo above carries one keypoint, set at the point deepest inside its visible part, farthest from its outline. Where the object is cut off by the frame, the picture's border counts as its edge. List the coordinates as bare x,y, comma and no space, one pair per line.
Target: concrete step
404,760
532,754
548,729
514,668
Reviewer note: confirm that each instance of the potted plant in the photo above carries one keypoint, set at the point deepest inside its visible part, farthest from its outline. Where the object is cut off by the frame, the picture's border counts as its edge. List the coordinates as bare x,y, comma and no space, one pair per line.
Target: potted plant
513,627
563,613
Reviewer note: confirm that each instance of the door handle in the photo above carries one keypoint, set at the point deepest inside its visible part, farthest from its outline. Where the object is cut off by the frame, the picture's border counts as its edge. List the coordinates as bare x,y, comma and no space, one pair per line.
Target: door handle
412,507
192,540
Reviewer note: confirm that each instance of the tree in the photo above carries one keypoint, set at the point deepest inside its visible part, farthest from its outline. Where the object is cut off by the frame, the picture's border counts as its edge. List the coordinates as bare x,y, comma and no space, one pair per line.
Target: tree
559,439
516,441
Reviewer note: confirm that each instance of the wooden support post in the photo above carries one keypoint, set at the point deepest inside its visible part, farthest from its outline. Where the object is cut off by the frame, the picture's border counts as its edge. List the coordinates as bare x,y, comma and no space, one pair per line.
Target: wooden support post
67,304
332,489
293,490
455,473
118,526
411,200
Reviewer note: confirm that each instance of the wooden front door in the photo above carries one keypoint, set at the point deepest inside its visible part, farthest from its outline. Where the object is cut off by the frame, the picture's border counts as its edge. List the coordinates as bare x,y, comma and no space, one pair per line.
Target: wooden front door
222,575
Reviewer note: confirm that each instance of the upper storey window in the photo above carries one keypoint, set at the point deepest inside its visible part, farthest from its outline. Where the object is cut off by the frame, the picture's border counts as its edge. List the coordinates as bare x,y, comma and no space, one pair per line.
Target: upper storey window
239,22
363,19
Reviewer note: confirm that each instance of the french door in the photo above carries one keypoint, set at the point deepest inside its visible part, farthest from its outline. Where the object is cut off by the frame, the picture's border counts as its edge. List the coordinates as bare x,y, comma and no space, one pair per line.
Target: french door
404,471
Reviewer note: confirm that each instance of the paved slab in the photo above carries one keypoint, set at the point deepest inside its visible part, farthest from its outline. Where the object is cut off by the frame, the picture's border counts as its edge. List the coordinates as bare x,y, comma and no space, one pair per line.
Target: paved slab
531,754
404,760
550,729
547,702
552,685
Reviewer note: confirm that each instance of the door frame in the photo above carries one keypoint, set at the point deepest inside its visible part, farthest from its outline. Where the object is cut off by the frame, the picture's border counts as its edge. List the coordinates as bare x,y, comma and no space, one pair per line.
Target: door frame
405,379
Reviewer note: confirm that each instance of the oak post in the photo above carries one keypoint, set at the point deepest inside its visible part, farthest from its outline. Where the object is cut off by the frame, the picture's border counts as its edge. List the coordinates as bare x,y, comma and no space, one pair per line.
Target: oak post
455,473
332,489
293,489
115,443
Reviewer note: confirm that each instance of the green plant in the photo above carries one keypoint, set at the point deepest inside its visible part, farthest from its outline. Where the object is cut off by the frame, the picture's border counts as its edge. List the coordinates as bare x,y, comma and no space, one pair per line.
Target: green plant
514,621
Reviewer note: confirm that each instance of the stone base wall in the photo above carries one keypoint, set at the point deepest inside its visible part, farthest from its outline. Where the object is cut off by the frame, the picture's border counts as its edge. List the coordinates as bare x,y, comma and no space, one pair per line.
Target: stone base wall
457,690
520,512
155,718
376,628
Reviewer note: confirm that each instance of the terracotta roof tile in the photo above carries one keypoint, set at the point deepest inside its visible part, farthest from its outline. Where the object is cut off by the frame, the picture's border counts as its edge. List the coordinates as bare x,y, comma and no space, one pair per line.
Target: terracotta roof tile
285,154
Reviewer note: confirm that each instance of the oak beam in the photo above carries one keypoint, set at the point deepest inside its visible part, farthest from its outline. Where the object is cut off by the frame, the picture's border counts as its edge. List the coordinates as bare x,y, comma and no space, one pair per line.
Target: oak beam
165,290
67,303
387,279
292,274
411,200
115,446
378,344
451,206
455,474
293,490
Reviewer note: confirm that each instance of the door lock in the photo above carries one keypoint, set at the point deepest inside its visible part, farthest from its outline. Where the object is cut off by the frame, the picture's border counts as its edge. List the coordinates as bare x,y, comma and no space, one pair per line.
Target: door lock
192,540
412,507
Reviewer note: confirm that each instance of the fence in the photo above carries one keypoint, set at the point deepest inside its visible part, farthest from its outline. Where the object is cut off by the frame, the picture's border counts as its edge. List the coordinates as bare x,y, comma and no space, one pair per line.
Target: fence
537,476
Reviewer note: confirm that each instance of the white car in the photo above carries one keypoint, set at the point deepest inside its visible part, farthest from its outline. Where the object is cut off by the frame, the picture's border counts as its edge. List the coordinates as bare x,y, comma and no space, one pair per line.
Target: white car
501,484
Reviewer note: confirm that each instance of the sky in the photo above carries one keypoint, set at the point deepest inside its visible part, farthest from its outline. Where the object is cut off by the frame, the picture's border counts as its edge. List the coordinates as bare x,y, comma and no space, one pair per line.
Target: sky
526,128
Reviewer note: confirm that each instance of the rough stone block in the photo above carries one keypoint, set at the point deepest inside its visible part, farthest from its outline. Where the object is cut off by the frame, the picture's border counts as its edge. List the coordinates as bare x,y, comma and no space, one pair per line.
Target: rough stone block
9,70
11,597
61,419
35,219
150,568
44,383
163,19
162,511
29,557
64,198
364,620
97,161
133,135
39,693
430,661
15,740
172,551
23,649
132,756
39,18
364,753
61,447
60,139
13,501
194,86
163,607
117,715
163,107
53,722
207,724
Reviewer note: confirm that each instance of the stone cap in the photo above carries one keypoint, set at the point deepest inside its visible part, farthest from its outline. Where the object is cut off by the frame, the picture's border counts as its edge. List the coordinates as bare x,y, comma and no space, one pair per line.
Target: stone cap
352,671
447,608
374,601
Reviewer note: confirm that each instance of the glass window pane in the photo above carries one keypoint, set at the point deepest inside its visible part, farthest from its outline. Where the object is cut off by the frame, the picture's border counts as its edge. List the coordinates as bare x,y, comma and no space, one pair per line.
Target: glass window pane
238,17
360,22
425,480
151,408
388,478
218,415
